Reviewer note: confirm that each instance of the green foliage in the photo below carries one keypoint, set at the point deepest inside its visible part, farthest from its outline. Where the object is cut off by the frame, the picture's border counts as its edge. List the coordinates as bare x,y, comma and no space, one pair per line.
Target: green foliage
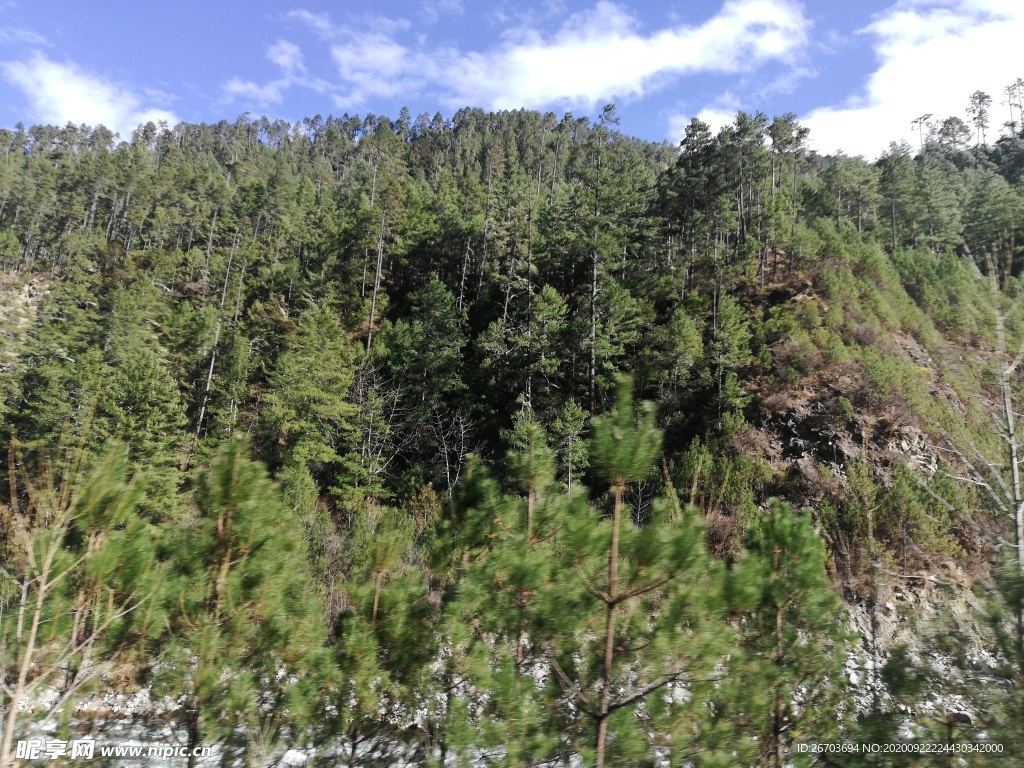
78,574
239,601
729,350
909,520
550,586
372,300
724,488
624,447
306,408
1006,618
569,428
794,633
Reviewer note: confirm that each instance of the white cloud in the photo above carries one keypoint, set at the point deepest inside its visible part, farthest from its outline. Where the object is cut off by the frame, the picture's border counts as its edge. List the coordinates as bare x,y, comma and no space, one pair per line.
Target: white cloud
717,115
374,64
601,54
933,54
61,93
267,93
288,57
318,22
787,82
716,118
722,111
433,10
321,24
597,55
20,36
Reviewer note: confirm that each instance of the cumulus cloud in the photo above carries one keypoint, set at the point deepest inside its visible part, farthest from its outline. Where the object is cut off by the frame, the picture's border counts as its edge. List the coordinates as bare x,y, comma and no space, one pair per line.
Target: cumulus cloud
318,22
59,93
933,54
288,57
374,64
596,55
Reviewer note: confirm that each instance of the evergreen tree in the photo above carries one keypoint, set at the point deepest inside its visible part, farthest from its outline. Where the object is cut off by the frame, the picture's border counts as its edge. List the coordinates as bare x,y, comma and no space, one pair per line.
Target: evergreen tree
794,636
240,601
646,593
1007,704
306,407
504,561
77,579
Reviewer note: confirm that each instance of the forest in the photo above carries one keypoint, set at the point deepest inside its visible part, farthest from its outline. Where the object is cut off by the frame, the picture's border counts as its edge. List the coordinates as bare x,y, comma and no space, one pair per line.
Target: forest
511,440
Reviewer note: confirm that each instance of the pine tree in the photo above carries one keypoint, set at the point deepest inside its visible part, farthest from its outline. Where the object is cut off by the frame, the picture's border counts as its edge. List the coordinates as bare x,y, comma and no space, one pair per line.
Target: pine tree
306,408
1007,704
77,578
728,352
499,559
794,636
569,428
245,649
613,613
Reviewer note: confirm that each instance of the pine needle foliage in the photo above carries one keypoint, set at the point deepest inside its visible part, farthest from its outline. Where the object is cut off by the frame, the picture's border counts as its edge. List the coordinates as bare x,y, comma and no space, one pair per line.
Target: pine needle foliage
793,638
76,581
599,633
245,651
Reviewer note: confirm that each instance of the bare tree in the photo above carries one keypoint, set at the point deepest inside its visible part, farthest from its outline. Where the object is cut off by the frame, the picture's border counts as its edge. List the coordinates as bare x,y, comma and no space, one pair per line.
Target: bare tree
922,122
978,112
380,415
453,433
1000,478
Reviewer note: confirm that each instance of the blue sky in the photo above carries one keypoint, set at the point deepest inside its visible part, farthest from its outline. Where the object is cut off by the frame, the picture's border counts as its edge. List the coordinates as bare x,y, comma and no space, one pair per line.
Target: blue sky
857,73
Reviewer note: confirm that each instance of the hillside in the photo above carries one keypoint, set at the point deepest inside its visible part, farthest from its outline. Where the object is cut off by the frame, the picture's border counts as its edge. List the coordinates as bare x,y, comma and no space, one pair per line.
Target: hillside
507,440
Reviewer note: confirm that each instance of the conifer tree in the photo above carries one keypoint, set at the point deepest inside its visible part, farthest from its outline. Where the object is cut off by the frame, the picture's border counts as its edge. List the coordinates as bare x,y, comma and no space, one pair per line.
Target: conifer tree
508,566
617,611
77,579
1006,714
569,428
793,635
729,350
245,650
306,410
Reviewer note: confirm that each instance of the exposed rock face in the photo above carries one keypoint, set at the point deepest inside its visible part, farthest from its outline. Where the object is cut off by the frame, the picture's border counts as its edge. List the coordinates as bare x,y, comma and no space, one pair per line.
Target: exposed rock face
920,615
911,444
811,434
19,303
814,431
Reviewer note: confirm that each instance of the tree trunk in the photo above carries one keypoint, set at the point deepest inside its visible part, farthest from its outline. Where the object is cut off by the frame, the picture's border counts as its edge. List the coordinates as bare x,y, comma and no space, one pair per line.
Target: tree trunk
892,200
462,277
216,341
376,283
609,638
26,660
1009,428
1005,370
209,246
779,713
1007,262
592,373
194,734
238,295
92,209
